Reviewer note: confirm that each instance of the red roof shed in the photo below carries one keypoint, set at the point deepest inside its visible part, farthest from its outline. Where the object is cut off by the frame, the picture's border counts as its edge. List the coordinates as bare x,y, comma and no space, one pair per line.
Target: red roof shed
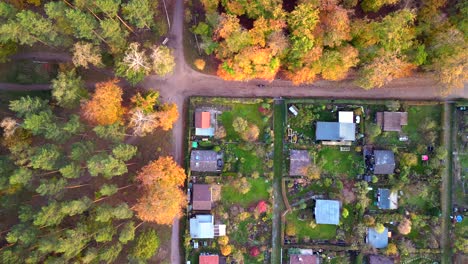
202,119
208,259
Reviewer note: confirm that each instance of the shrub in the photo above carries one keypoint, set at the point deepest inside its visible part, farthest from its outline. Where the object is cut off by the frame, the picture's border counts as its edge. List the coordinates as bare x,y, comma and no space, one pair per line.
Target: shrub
223,240
368,220
379,228
404,227
391,249
408,159
290,229
200,64
345,213
373,130
226,250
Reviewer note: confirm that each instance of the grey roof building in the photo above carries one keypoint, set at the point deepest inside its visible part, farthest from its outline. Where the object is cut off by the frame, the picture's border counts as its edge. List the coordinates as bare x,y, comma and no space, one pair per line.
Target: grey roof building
384,162
206,160
377,240
327,212
379,259
299,161
335,131
387,199
201,199
392,121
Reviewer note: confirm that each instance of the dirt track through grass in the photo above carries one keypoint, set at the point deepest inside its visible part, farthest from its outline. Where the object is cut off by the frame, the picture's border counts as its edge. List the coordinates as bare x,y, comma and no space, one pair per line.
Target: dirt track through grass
446,199
278,207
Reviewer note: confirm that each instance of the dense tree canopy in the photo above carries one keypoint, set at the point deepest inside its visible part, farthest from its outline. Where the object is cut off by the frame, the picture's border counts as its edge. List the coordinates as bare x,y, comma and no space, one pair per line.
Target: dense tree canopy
60,184
327,39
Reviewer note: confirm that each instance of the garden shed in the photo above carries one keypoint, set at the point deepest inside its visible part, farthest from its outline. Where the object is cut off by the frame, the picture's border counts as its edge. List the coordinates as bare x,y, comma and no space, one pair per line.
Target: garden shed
303,259
384,162
208,259
392,121
203,125
202,226
387,199
379,259
299,161
206,160
201,198
335,131
376,239
327,212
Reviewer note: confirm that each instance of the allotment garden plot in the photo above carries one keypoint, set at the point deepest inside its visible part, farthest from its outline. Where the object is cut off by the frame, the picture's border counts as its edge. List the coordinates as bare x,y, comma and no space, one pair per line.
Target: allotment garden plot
364,175
230,164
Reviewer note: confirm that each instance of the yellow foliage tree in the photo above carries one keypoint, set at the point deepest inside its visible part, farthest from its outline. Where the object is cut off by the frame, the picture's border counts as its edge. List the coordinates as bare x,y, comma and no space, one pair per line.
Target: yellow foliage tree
226,250
105,106
162,199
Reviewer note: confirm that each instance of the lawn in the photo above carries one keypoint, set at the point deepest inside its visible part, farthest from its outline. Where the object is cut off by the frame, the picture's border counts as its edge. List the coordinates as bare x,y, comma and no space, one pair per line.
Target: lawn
241,235
333,161
248,162
249,112
304,230
258,191
418,114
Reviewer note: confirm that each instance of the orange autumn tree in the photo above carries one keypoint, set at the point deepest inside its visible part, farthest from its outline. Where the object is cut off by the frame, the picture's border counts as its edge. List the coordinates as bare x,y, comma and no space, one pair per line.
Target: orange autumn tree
162,198
148,114
167,116
105,106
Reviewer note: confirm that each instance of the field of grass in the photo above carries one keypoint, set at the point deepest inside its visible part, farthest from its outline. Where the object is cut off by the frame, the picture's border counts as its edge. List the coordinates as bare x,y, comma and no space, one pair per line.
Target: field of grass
248,161
418,114
258,191
333,161
247,111
304,230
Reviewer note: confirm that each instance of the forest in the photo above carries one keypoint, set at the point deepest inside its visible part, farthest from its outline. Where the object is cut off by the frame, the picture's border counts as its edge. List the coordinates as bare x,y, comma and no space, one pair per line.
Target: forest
85,171
371,41
98,33
67,172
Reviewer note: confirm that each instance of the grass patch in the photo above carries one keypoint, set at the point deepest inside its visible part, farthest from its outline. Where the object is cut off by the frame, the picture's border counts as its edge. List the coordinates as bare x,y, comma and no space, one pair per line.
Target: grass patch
334,161
304,230
417,114
258,191
247,111
248,162
242,233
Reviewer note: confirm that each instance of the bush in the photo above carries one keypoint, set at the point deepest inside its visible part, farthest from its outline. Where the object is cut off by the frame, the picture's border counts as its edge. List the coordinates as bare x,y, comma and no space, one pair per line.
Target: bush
146,245
345,213
223,240
404,227
373,130
226,250
391,249
200,64
368,220
290,229
408,159
379,228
